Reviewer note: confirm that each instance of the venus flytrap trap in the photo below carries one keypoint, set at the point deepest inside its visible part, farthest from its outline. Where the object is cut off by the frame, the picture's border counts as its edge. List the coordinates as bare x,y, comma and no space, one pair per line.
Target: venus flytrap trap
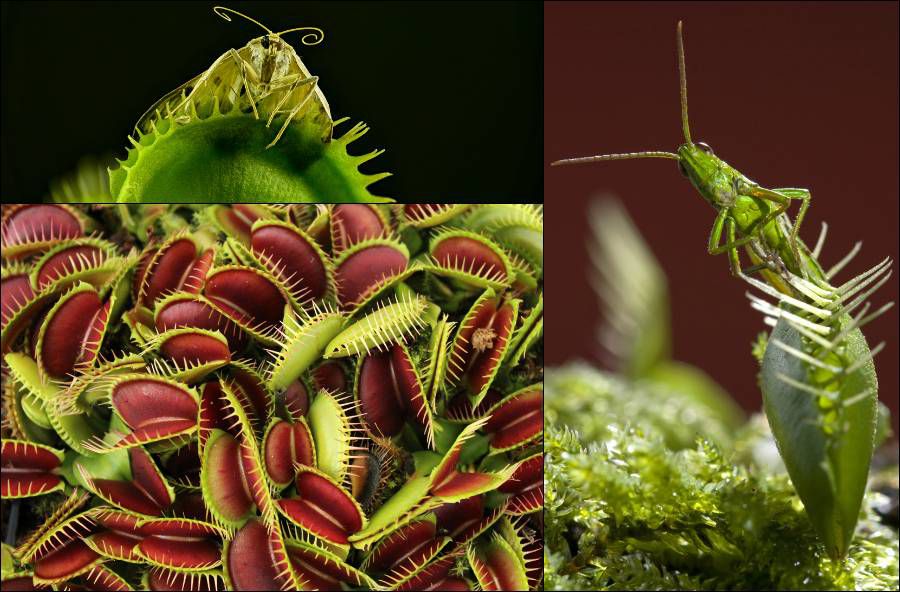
260,397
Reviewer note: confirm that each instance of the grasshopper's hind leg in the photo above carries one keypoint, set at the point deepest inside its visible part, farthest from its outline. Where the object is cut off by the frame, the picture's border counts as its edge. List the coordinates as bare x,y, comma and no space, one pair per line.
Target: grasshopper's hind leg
805,196
782,197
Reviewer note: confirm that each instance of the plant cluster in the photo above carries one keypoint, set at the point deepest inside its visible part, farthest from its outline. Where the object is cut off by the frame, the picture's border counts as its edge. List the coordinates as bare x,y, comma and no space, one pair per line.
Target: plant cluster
260,397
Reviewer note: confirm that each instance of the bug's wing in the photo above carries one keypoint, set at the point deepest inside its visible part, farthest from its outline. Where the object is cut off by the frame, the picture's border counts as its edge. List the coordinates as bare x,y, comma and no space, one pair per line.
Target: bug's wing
222,79
170,99
319,99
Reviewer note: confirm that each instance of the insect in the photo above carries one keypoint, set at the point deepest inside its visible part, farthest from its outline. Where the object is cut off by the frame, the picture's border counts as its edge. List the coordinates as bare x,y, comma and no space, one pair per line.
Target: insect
747,211
265,76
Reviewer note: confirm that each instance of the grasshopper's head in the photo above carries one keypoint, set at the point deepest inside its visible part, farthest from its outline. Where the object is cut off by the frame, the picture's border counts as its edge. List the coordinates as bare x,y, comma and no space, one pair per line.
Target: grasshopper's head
709,174
696,161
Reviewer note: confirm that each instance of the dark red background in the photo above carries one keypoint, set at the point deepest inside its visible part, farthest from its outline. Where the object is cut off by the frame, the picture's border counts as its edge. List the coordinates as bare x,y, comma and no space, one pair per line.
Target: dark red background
801,95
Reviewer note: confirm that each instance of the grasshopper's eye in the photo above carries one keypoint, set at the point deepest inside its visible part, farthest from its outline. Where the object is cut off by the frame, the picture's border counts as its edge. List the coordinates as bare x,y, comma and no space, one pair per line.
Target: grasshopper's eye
705,147
681,169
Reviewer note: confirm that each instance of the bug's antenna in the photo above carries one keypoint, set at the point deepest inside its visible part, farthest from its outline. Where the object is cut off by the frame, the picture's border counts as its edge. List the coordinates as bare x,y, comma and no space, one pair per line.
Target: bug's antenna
223,11
683,77
648,153
315,35
622,156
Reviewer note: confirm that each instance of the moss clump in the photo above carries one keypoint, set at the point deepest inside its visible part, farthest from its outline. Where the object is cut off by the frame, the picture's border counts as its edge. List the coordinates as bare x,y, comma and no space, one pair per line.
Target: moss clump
579,395
628,507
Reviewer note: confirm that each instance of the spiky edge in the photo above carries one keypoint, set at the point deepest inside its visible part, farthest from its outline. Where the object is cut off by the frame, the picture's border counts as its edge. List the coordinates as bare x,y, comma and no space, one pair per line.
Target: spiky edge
86,477
433,214
504,347
274,485
392,321
153,262
96,445
206,487
327,477
334,430
403,574
535,500
486,579
476,277
31,492
438,352
59,534
276,270
361,577
302,339
528,333
536,386
385,281
82,265
197,580
190,372
88,347
23,249
185,296
258,332
455,366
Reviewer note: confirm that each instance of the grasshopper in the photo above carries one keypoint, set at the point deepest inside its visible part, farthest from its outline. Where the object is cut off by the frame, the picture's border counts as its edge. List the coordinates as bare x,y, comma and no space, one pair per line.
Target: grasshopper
271,75
748,214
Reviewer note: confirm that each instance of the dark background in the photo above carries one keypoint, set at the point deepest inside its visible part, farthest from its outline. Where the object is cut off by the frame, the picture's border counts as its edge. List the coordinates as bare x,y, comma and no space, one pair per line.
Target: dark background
792,95
452,91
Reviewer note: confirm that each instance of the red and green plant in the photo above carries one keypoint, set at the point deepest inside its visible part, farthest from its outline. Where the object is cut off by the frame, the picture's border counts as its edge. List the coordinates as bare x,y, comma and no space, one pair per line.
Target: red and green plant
263,397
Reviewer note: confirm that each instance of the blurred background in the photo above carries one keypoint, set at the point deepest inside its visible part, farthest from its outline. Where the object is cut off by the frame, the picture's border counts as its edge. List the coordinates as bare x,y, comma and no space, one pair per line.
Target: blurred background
791,94
451,91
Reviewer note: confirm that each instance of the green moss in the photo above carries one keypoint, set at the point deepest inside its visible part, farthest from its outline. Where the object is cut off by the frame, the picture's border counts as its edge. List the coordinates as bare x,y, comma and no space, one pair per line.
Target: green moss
630,507
578,395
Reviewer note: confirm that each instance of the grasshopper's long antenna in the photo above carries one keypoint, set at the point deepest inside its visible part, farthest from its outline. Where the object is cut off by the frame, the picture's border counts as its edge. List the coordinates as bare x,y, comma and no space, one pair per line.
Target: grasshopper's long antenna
622,156
683,76
223,11
649,153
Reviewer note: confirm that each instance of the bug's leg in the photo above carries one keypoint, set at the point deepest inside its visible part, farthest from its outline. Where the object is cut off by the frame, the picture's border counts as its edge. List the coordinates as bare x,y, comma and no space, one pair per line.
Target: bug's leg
783,198
715,237
313,80
726,220
734,259
805,196
246,73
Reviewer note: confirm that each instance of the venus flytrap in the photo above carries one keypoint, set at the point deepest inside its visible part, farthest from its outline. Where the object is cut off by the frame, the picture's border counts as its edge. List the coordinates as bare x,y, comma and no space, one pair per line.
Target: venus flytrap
260,403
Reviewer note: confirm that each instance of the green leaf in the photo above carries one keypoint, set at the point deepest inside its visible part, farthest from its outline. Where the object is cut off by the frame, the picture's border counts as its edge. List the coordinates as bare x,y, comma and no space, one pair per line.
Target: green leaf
695,384
632,289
